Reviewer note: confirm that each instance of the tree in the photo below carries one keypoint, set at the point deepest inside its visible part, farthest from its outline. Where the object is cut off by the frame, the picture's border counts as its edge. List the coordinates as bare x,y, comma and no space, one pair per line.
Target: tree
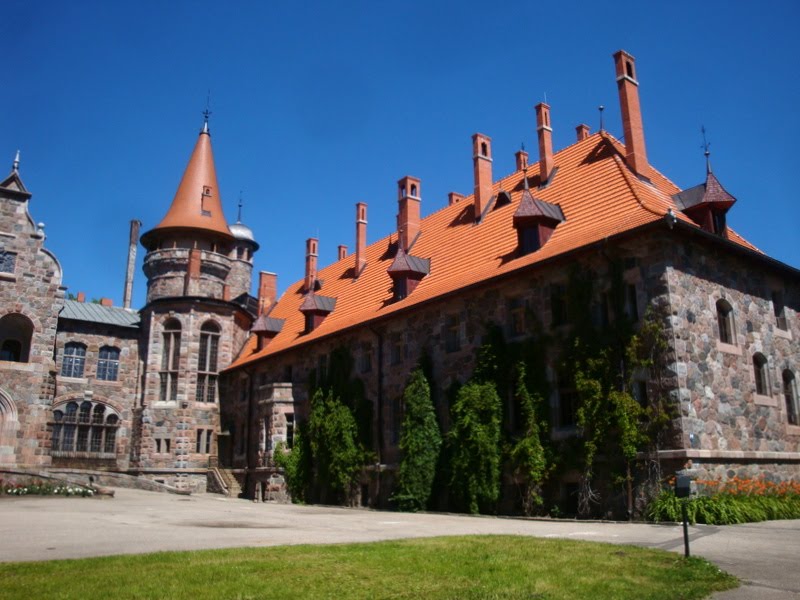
475,440
528,458
337,457
296,464
420,444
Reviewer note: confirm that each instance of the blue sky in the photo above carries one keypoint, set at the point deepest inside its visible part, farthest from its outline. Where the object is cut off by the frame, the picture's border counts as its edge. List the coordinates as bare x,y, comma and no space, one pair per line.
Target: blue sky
319,105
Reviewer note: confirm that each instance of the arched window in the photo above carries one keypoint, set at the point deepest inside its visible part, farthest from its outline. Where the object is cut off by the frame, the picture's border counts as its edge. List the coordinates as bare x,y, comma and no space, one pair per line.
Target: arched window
207,363
761,373
74,360
790,395
16,331
90,429
727,332
108,363
170,361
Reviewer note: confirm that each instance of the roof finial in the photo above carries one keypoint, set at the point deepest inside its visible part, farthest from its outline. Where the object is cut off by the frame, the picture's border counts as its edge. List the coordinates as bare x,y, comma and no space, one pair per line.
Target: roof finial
15,164
239,217
706,145
601,108
207,113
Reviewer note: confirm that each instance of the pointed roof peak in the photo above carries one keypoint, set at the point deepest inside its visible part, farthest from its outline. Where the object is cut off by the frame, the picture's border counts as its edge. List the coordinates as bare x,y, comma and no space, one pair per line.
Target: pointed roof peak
197,204
15,164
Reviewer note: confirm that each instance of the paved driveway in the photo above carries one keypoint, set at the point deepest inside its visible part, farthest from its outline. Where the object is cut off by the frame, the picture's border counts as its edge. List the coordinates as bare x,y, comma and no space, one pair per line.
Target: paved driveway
765,555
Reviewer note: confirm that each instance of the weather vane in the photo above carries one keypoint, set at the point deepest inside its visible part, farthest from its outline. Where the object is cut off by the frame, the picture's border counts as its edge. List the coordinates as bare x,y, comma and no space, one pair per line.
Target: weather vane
706,145
239,218
207,112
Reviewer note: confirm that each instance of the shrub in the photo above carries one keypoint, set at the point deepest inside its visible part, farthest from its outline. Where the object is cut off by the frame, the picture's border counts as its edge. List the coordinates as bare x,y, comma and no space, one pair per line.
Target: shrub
420,443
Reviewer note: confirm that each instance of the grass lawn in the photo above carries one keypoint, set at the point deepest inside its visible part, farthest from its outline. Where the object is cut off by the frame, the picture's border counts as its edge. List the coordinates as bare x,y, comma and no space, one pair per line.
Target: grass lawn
445,567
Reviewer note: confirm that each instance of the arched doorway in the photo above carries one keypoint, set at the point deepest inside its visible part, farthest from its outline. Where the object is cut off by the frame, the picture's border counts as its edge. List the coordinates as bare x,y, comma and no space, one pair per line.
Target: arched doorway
9,425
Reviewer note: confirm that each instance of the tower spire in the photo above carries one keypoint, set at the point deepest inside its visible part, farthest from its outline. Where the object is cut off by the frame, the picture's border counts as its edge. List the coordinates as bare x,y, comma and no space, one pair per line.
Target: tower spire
207,114
706,152
239,215
15,164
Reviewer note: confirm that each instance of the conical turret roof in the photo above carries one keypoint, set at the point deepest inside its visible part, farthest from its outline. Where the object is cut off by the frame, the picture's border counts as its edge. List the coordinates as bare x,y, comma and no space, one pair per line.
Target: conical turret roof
197,205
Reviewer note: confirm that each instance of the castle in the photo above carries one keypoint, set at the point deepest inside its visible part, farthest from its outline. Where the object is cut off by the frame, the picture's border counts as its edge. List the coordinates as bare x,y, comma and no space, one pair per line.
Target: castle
199,387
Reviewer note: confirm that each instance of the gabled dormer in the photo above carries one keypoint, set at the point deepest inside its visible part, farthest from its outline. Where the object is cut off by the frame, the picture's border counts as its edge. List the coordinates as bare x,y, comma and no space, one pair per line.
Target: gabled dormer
406,272
315,308
265,328
535,220
706,204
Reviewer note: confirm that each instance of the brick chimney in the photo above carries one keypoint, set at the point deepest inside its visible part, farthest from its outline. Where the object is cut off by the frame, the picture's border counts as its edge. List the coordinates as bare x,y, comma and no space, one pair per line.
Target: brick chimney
545,133
361,238
267,291
482,167
81,297
133,242
106,302
311,263
582,132
635,153
522,160
409,198
342,251
454,198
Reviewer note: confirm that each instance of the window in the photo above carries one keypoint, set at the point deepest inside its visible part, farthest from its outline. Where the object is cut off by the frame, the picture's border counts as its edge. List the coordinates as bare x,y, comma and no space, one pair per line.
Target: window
780,310
74,360
163,445
516,317
528,238
16,331
207,363
718,222
558,304
567,401
108,363
395,350
600,312
322,368
203,441
631,303
725,322
90,429
170,361
790,395
366,358
289,430
639,392
761,373
452,334
8,261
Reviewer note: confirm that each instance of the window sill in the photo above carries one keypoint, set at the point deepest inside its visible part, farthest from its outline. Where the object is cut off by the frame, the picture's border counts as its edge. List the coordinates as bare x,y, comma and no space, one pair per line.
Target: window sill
729,348
106,382
12,365
793,430
8,277
782,333
763,400
80,380
205,405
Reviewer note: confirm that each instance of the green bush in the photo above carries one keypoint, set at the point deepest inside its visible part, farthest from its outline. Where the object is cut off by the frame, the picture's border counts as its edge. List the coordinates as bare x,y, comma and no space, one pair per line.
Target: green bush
420,443
725,508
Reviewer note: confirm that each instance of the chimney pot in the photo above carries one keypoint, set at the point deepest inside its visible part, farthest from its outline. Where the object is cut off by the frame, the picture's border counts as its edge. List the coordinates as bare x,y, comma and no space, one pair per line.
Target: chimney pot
410,198
81,297
482,169
361,238
106,302
582,132
454,198
311,263
342,251
522,160
632,127
267,291
545,134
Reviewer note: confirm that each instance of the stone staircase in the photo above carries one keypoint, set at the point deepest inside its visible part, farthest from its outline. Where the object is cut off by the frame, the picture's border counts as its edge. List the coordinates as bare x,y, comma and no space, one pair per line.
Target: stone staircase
222,480
232,485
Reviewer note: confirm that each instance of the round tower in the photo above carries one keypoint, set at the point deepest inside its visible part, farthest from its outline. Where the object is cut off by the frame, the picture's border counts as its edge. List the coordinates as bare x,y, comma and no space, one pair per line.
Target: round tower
196,319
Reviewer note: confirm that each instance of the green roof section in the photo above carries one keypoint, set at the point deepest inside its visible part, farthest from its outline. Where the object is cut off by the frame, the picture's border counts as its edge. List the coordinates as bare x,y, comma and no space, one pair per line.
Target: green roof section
97,313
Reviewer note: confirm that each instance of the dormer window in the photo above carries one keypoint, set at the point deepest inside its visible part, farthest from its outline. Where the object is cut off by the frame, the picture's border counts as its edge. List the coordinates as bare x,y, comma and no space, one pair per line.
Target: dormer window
315,308
707,205
535,221
406,272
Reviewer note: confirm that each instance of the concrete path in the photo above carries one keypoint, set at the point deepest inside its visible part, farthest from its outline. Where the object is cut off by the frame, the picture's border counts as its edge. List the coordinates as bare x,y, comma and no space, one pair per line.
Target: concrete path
766,556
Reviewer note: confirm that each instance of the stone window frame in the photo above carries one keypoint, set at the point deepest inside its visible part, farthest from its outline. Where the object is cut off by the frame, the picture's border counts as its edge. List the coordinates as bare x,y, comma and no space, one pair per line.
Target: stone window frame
8,262
516,325
16,335
559,309
163,444
790,397
73,360
761,378
395,349
365,358
204,439
84,429
558,378
108,363
208,362
169,374
452,333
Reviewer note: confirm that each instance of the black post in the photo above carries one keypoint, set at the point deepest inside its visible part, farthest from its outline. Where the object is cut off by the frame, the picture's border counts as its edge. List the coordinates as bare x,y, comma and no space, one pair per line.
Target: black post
685,529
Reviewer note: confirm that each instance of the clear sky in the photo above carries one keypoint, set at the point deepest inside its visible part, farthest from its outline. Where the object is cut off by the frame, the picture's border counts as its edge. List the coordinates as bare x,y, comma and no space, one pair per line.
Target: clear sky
319,105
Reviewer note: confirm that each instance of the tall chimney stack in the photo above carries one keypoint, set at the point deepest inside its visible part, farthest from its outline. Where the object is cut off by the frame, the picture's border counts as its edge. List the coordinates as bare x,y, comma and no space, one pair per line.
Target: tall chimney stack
311,263
133,242
361,238
409,198
482,168
545,132
633,130
582,132
267,291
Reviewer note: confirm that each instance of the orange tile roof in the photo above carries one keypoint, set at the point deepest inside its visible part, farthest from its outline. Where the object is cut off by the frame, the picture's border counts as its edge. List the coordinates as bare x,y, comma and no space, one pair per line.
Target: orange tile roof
598,194
197,203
